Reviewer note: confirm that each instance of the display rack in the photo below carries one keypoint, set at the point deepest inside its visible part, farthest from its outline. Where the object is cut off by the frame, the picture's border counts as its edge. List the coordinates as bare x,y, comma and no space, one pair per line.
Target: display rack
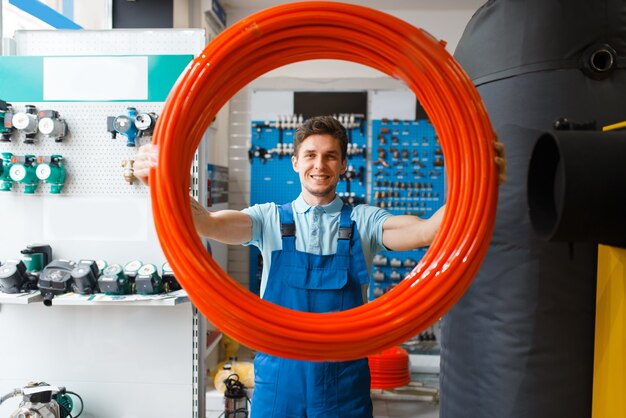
20,298
125,358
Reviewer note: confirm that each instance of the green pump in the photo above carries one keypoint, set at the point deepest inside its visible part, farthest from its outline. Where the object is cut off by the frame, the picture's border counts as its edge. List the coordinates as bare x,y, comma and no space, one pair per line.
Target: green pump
5,168
24,171
51,170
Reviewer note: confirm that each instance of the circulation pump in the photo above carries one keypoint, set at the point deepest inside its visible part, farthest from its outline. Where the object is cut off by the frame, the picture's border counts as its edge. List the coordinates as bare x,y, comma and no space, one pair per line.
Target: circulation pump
41,400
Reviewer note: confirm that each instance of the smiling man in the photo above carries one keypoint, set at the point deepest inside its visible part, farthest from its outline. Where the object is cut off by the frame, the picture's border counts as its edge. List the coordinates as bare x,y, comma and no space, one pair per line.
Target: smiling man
317,252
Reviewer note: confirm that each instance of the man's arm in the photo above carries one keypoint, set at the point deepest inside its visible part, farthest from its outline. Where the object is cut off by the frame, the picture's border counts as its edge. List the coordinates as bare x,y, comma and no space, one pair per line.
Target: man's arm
226,226
406,232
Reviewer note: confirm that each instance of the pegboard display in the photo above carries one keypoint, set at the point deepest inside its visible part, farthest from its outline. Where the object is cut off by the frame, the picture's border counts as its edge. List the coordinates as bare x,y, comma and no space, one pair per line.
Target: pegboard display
98,215
92,159
407,177
274,180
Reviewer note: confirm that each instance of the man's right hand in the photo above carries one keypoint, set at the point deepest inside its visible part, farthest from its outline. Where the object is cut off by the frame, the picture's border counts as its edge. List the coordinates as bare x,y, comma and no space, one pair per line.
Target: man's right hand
146,158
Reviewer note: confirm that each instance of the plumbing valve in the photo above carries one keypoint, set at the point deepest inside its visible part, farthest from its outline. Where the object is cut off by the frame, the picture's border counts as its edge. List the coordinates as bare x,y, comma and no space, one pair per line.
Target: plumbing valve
26,122
129,172
24,171
50,169
5,168
51,125
6,121
145,123
124,125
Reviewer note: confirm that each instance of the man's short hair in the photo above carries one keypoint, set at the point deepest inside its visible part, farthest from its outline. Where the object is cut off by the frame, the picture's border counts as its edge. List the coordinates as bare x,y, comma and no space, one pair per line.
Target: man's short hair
321,125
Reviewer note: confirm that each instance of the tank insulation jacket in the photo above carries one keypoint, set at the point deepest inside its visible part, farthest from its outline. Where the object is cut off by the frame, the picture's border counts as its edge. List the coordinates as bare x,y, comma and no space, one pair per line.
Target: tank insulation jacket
296,32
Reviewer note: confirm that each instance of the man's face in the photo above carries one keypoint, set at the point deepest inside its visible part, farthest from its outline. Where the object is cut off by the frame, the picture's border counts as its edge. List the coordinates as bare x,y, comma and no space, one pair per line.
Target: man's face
319,165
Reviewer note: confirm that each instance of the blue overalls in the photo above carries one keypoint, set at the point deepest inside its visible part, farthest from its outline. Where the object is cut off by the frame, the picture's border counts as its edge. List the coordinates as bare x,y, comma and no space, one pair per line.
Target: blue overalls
285,388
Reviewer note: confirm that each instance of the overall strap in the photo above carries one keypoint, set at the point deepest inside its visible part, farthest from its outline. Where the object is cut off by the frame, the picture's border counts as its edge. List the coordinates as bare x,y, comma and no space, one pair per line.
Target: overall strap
346,229
287,227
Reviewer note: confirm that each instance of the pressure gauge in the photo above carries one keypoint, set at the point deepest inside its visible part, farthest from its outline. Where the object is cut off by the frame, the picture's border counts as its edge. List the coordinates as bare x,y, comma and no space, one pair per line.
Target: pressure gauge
25,122
114,271
122,124
101,264
145,123
147,270
17,172
43,171
51,125
23,171
131,268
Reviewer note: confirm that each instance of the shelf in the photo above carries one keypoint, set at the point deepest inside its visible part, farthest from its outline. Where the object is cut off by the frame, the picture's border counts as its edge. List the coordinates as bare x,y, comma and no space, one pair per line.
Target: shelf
100,299
20,298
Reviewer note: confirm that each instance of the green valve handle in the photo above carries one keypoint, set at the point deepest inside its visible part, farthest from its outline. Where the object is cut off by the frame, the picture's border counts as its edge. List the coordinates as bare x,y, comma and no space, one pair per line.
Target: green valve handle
5,167
24,171
52,171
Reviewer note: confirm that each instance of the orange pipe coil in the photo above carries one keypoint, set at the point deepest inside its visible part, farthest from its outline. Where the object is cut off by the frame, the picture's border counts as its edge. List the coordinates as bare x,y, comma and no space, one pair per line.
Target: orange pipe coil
389,369
327,30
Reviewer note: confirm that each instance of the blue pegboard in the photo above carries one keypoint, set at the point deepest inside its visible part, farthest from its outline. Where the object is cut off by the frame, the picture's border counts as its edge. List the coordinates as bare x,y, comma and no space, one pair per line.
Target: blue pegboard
407,177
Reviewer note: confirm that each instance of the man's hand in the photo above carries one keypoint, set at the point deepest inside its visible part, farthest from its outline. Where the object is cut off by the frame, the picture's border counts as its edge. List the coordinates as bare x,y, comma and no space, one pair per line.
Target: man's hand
500,161
146,158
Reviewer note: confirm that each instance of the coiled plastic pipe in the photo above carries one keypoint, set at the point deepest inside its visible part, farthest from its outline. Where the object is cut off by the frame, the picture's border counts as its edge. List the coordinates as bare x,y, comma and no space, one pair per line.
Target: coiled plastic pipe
326,30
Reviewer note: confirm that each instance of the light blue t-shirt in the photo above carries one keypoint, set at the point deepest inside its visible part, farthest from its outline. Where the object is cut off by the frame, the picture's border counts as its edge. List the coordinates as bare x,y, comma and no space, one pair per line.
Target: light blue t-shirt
316,229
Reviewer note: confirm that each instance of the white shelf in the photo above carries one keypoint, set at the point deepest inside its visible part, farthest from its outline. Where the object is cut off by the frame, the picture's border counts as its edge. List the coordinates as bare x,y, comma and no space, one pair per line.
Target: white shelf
99,299
20,298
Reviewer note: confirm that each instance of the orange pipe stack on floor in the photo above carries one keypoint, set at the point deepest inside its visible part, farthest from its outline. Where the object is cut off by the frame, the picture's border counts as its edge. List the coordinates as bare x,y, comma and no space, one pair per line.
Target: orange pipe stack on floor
389,369
326,30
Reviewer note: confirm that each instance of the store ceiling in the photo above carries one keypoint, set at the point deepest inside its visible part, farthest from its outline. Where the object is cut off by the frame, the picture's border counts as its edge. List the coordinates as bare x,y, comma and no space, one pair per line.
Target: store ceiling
232,5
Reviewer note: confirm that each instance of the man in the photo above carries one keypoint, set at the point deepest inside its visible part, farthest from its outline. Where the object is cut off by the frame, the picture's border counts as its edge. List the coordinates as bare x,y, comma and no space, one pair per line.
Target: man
317,253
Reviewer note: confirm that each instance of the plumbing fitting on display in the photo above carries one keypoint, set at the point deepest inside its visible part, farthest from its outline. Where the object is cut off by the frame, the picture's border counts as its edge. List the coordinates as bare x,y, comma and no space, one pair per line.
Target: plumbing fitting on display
124,125
145,122
148,281
5,171
24,171
26,122
6,121
85,277
113,281
51,170
56,279
170,283
129,171
51,125
35,258
41,400
327,30
12,276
